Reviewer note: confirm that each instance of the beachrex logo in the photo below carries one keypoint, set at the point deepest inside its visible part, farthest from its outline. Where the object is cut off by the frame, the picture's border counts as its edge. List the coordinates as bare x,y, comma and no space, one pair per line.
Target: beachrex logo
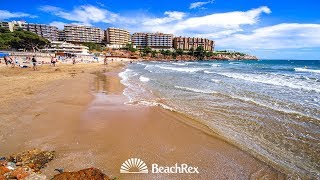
136,165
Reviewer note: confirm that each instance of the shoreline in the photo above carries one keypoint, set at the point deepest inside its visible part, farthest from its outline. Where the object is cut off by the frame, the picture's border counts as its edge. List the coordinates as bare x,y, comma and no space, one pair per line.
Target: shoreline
78,109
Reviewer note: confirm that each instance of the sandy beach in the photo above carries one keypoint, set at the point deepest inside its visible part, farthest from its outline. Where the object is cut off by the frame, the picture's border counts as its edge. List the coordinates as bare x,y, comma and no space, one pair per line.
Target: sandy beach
79,112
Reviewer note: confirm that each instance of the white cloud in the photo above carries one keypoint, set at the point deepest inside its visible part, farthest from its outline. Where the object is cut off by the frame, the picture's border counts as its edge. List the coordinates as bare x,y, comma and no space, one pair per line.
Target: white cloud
171,16
199,4
86,14
280,36
216,25
59,25
4,14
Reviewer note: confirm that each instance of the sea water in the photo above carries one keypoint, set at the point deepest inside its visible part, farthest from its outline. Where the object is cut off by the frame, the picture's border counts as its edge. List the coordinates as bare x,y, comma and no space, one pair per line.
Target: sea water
270,108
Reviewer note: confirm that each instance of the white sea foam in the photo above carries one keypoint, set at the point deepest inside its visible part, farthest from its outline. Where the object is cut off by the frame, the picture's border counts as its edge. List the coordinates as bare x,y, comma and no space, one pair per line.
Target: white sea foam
215,80
181,69
208,72
195,90
124,75
180,64
275,80
215,65
234,63
154,103
144,79
307,70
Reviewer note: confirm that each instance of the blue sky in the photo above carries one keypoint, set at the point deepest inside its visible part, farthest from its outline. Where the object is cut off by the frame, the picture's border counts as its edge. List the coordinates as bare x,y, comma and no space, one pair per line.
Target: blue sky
273,29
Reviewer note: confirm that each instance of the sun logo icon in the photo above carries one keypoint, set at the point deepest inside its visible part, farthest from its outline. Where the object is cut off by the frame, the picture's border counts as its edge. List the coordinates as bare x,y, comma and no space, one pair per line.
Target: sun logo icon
134,165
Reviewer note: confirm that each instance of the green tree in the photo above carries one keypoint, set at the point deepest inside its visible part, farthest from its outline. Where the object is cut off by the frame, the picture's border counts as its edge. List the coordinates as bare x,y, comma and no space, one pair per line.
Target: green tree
209,54
130,47
167,53
28,41
174,54
147,50
200,52
179,52
191,51
94,46
162,52
154,53
6,38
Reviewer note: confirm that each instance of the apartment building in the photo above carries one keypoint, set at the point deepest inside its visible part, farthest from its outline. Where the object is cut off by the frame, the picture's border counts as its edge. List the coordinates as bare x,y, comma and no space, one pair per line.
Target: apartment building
61,35
153,40
139,40
116,37
80,34
186,43
64,47
46,31
7,25
159,40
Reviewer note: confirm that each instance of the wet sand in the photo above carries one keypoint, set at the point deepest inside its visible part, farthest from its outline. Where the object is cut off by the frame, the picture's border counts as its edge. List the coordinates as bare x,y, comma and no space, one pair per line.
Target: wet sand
84,119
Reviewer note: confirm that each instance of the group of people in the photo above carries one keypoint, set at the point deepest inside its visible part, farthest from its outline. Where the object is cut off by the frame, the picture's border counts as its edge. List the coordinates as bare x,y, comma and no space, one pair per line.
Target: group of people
13,61
8,60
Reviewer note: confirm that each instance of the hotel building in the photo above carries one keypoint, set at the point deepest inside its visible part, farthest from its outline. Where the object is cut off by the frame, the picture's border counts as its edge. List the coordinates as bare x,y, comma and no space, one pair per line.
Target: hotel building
61,35
116,37
80,34
64,47
7,25
153,40
186,43
139,40
46,31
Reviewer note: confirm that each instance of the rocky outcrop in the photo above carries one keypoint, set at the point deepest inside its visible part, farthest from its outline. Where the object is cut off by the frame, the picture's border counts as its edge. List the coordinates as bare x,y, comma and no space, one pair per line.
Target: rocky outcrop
25,165
90,173
193,58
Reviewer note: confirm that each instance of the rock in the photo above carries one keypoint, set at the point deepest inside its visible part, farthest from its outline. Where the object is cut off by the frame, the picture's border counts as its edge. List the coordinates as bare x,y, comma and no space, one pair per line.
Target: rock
60,170
3,163
20,173
3,170
35,176
90,173
11,165
34,159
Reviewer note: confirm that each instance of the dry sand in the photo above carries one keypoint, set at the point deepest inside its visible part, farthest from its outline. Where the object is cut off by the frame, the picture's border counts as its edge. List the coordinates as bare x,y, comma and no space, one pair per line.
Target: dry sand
82,116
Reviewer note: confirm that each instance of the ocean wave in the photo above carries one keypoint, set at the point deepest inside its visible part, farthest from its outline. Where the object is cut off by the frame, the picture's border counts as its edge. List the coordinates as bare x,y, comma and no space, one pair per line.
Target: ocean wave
215,65
151,103
179,64
144,79
195,90
181,69
307,70
215,80
124,73
208,72
235,63
274,80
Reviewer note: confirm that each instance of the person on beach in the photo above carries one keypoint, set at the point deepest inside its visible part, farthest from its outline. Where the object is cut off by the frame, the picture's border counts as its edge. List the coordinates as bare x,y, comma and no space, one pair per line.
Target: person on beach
13,61
53,61
105,61
6,60
73,60
34,63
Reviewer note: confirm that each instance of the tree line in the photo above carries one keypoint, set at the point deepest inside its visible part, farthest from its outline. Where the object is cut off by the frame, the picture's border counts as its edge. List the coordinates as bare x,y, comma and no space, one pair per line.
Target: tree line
21,40
199,52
